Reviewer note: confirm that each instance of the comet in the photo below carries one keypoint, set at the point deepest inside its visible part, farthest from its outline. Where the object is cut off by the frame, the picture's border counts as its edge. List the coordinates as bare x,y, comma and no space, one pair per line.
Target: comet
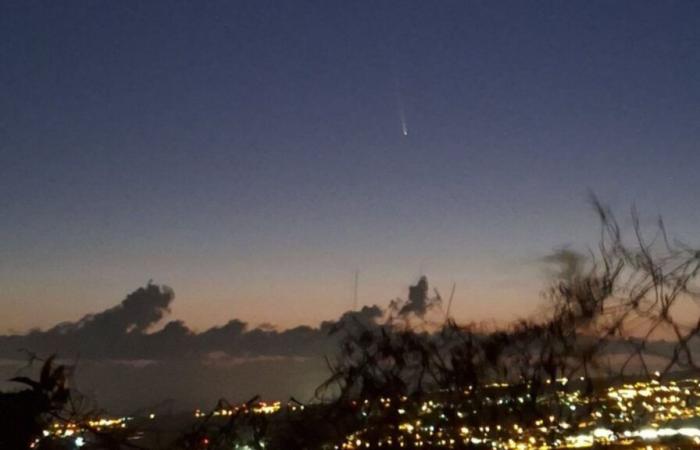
402,117
402,112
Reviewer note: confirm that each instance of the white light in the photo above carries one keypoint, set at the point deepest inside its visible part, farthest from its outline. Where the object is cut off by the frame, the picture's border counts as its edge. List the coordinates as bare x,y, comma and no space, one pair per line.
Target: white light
603,433
648,433
689,432
664,432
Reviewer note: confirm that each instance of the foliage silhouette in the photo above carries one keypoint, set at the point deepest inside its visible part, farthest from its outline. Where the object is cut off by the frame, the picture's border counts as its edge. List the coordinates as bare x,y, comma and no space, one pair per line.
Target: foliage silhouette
24,414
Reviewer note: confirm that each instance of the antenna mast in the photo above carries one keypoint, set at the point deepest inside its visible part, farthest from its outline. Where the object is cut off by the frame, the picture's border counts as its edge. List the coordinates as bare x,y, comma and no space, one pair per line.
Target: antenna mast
449,302
354,297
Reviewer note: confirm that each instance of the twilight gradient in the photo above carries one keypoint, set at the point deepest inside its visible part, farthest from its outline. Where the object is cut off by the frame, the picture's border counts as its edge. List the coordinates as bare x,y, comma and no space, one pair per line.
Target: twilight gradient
250,154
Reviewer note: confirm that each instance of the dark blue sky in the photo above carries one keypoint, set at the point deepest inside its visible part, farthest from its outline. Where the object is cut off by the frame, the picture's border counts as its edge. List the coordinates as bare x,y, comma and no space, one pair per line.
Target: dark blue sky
250,154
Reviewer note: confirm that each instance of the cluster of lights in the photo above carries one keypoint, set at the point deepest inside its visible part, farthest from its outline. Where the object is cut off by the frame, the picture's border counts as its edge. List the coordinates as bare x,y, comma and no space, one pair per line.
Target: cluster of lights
107,423
258,408
76,431
636,414
267,408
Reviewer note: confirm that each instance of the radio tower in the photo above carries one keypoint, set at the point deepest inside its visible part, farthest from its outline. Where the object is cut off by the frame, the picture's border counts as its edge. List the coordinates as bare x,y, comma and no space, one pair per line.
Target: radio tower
354,296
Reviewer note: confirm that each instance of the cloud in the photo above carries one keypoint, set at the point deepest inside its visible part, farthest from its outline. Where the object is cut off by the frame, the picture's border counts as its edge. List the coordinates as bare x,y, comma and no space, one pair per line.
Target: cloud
418,303
565,264
123,333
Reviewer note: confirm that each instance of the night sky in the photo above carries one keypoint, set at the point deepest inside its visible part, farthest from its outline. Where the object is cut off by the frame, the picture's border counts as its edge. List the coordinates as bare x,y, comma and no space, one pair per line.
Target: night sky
251,154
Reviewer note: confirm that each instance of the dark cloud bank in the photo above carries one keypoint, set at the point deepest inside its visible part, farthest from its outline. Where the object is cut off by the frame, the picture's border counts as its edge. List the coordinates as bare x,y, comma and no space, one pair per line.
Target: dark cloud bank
121,333
123,366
